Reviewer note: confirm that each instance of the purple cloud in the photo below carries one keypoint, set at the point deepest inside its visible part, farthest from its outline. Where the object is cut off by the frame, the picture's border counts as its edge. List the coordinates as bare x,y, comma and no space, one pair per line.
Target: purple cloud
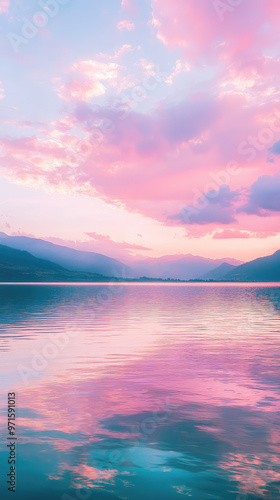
264,196
275,149
216,206
171,124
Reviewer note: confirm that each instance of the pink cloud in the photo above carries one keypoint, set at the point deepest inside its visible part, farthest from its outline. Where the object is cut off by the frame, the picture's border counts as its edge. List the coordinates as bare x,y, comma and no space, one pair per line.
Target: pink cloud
117,53
22,233
4,6
2,91
123,50
131,6
105,245
103,238
180,67
87,79
126,3
235,234
155,163
91,475
229,233
161,161
97,243
164,154
126,25
198,30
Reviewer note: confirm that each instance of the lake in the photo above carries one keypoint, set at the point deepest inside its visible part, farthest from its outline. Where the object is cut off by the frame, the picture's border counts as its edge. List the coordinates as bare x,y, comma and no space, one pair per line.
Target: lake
148,391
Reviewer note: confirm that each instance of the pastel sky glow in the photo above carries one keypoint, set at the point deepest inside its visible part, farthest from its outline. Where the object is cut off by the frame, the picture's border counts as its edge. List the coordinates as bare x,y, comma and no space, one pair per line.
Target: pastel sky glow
141,128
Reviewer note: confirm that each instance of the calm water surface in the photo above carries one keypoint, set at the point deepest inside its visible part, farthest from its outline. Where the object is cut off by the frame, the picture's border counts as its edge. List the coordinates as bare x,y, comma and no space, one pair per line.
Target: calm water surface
142,392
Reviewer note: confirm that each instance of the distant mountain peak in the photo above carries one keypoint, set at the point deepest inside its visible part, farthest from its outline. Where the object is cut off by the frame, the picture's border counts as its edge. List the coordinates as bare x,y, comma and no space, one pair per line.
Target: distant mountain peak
69,258
219,272
17,266
262,269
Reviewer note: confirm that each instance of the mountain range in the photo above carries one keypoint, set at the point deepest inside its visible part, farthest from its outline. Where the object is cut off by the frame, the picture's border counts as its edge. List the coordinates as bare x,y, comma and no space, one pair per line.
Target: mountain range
219,272
29,259
21,266
183,267
261,270
68,258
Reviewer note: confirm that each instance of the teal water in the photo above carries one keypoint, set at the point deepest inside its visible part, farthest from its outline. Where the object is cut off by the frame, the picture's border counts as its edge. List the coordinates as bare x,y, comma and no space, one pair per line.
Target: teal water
142,391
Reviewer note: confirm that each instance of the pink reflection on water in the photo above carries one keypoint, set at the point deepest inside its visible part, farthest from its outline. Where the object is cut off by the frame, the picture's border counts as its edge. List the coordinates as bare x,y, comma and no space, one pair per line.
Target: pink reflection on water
253,472
176,362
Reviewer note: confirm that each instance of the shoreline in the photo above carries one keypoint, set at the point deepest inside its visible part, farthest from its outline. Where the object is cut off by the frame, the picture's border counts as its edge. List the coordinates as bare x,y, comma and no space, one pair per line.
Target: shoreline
141,283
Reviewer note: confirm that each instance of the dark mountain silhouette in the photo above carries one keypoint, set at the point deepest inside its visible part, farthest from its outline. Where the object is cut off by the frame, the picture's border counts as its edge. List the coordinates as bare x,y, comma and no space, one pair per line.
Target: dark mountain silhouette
21,266
70,259
262,269
219,272
30,259
183,267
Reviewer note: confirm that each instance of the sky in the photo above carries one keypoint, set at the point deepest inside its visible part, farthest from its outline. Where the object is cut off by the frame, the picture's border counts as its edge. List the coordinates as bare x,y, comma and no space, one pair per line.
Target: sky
142,128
